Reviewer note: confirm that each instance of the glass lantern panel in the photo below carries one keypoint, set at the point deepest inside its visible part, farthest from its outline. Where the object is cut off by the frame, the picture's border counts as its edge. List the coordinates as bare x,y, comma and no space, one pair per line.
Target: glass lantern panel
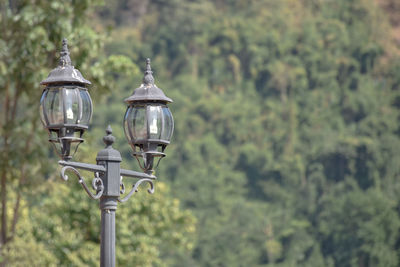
155,121
41,108
72,99
138,122
126,124
86,114
53,106
168,124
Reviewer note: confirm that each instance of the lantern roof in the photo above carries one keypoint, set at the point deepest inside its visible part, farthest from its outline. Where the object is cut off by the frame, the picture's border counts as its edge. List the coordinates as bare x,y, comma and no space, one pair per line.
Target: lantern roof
148,91
65,72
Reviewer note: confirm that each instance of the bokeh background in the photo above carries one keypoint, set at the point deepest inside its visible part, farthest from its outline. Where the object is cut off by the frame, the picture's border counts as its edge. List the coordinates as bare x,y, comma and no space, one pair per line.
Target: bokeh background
286,149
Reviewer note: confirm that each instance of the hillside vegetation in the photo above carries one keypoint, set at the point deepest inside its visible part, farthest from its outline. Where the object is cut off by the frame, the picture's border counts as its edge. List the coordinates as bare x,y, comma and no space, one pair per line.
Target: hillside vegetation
286,150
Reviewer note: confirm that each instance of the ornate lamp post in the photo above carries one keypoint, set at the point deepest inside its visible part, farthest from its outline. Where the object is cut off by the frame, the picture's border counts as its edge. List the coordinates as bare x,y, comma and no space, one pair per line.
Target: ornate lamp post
66,110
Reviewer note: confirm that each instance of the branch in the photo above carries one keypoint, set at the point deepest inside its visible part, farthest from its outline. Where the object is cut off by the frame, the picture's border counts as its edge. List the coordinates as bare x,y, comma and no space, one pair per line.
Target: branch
15,216
21,181
3,192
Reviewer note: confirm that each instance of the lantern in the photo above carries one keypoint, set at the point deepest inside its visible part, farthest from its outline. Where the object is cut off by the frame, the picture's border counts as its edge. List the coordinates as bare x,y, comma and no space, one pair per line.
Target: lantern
148,122
65,106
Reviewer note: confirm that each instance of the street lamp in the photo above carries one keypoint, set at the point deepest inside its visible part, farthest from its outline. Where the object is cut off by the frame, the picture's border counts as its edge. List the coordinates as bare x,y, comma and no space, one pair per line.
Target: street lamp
66,110
65,106
148,122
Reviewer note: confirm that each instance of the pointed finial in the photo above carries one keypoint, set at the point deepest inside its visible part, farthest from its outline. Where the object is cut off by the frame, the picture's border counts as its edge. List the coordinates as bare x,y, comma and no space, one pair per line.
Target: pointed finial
108,139
148,67
148,78
65,60
109,129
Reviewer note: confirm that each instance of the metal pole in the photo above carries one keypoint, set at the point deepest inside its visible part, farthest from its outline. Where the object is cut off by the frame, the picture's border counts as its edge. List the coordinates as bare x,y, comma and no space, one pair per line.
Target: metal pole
108,207
110,159
109,187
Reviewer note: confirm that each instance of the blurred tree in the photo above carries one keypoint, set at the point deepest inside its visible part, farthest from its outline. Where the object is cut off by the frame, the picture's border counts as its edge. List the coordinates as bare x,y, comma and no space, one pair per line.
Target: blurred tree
31,33
147,227
276,104
364,235
287,121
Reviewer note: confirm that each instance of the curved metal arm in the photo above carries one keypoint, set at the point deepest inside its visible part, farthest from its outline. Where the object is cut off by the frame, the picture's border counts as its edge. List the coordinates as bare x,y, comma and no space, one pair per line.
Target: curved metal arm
83,166
134,174
135,188
97,183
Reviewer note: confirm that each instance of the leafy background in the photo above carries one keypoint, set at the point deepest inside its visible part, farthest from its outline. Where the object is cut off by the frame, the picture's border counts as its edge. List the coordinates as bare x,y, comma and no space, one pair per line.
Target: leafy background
286,143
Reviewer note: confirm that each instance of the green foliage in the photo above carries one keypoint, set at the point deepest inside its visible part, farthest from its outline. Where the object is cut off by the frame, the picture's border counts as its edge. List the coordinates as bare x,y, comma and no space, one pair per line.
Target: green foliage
30,36
279,106
286,144
371,230
25,250
44,223
146,226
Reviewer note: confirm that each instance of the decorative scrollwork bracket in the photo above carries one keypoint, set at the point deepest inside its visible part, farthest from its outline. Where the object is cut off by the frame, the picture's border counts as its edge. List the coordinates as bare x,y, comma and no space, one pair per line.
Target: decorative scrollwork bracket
135,188
97,183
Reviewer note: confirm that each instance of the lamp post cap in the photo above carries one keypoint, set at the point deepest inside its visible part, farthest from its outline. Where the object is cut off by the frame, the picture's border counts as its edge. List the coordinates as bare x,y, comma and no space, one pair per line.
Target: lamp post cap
109,139
109,130
109,153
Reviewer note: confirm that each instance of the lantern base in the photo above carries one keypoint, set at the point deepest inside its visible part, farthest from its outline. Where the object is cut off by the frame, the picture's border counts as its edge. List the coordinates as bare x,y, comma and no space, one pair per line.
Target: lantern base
66,147
147,160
